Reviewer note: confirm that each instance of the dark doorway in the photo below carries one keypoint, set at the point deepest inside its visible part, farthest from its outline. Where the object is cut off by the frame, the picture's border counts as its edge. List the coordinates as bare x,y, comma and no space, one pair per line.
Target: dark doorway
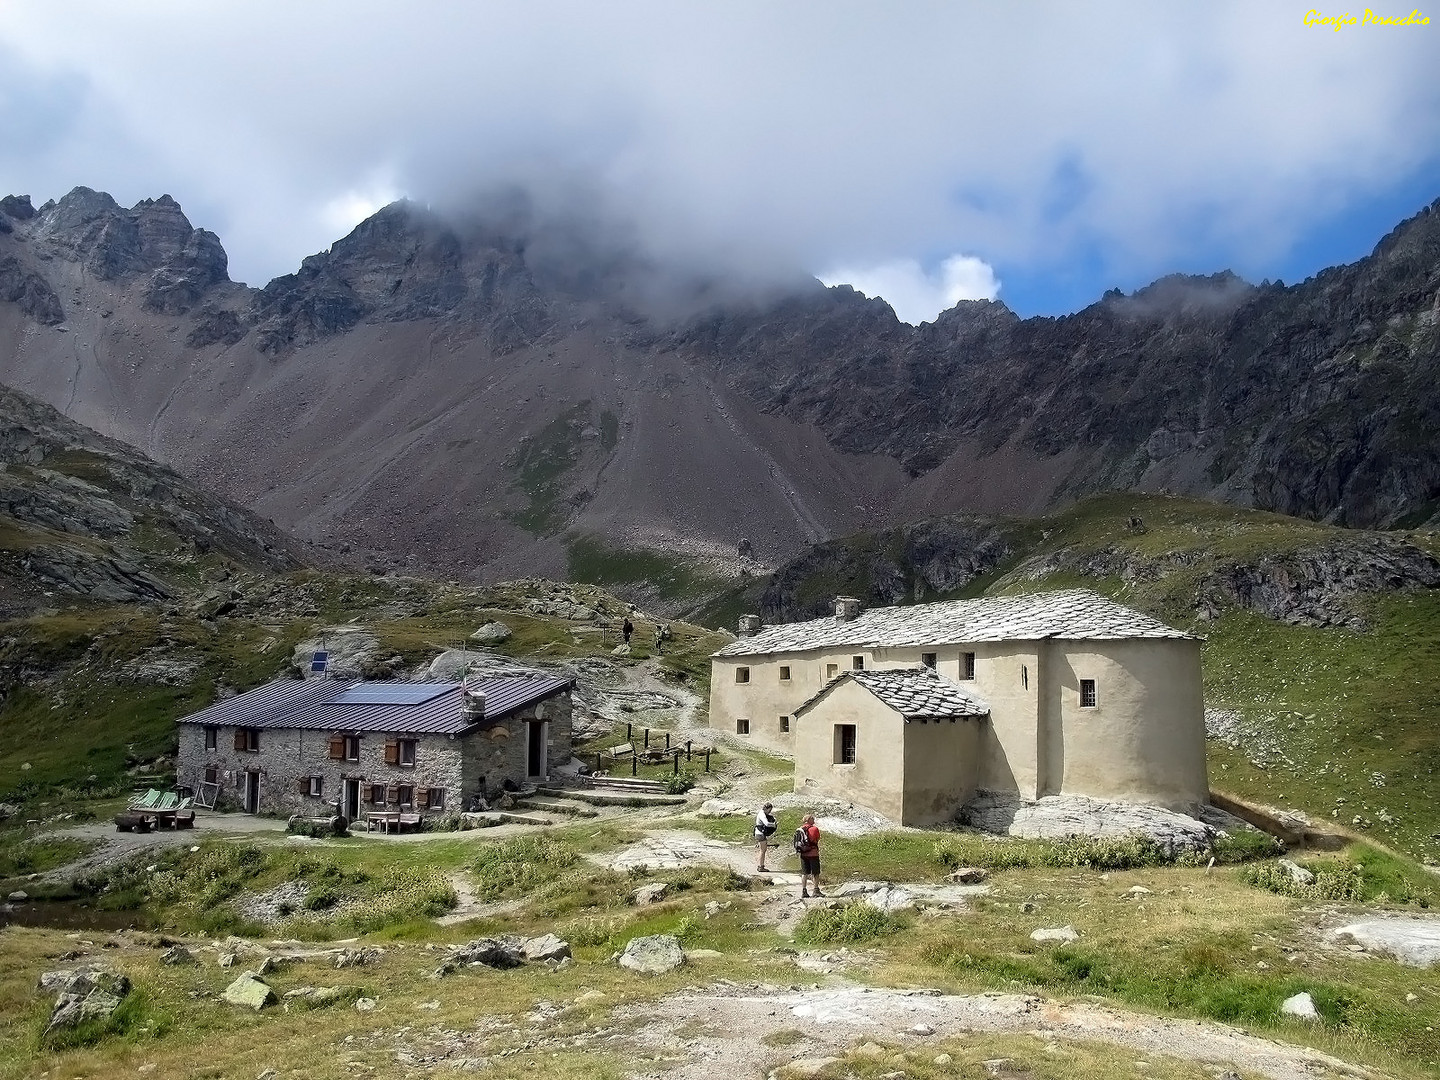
535,736
350,805
252,792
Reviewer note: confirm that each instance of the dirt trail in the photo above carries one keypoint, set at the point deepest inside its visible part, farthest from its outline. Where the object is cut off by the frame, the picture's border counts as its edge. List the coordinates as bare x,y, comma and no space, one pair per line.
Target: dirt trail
832,1020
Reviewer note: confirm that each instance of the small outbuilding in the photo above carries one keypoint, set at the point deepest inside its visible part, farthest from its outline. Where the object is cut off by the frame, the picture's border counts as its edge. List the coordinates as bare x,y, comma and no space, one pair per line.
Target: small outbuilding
304,746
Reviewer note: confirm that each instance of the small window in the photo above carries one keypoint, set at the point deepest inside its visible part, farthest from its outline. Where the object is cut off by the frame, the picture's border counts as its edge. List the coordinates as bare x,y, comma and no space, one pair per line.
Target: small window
352,747
317,786
209,738
967,665
247,739
212,774
405,795
928,660
857,663
435,799
742,674
784,725
784,674
1087,693
844,744
1024,677
742,726
831,670
377,794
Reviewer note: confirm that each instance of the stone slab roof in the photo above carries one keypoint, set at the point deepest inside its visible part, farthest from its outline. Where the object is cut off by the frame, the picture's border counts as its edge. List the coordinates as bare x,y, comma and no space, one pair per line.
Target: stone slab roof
329,705
1068,613
915,693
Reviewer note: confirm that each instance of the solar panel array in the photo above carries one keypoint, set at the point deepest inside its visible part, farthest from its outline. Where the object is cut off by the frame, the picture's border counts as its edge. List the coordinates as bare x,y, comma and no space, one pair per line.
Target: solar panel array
379,693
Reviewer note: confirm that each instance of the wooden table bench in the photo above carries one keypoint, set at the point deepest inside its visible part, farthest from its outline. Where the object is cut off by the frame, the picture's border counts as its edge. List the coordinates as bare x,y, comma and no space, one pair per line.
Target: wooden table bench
386,819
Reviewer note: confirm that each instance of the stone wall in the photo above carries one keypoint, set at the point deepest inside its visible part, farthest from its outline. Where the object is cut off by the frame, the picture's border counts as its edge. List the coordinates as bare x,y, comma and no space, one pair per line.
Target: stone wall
453,764
287,755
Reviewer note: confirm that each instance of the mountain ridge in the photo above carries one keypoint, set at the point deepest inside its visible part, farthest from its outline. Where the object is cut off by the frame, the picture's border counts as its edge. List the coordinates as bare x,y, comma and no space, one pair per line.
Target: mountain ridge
379,399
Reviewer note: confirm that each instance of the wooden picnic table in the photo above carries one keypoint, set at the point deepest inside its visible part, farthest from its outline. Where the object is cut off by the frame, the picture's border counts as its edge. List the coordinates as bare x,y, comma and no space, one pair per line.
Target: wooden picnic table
386,819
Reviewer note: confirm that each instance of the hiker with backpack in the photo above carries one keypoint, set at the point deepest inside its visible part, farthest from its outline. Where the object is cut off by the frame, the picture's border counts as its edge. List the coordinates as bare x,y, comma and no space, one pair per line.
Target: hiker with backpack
765,826
807,846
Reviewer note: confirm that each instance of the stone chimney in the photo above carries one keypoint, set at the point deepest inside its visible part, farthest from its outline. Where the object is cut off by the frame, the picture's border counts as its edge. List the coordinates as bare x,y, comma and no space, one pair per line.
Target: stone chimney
846,608
749,624
474,705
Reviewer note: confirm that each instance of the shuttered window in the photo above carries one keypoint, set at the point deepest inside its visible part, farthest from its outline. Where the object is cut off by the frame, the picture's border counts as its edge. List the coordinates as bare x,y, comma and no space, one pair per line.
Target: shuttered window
377,793
435,799
392,752
247,739
337,748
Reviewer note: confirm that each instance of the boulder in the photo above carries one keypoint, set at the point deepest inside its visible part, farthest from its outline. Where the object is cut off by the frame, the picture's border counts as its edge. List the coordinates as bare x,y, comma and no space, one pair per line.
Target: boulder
548,947
492,633
177,954
1063,934
1297,873
85,994
250,991
486,952
346,958
967,875
1302,1006
652,955
652,893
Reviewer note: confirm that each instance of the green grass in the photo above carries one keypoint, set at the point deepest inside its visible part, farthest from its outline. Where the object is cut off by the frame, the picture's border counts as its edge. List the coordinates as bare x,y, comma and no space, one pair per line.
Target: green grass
592,560
520,866
21,854
847,924
1361,874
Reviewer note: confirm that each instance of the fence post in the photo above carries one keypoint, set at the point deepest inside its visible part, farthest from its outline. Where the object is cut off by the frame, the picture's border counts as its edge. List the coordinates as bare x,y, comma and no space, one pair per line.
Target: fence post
675,759
597,761
629,731
687,749
647,738
634,761
667,740
707,759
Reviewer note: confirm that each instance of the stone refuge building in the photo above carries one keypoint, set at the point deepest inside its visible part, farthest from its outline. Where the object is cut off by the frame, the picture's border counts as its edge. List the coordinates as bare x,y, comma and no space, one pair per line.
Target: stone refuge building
304,746
914,711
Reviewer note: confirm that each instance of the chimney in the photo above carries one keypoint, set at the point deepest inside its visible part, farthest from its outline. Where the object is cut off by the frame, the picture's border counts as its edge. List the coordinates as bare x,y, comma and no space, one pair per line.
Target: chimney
846,608
749,624
474,705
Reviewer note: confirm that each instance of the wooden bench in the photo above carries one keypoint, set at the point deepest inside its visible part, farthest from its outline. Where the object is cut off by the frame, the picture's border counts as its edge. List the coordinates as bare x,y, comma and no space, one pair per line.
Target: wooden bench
129,821
386,819
622,750
408,821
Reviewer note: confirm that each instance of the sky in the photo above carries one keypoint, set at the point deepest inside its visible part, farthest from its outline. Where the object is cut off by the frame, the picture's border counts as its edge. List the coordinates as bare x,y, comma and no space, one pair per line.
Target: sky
925,152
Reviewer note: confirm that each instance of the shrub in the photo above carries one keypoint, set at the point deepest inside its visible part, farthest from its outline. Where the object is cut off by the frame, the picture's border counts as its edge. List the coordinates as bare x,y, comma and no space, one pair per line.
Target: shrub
1341,882
521,865
681,782
847,924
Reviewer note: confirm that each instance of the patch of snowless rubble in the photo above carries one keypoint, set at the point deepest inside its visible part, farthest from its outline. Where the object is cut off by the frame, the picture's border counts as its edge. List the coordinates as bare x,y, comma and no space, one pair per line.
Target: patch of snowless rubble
1411,941
1060,816
832,1020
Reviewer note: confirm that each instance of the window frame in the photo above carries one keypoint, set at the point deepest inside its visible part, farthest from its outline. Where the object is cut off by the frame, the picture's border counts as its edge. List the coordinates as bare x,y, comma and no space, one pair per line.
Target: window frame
435,798
742,725
212,737
374,789
406,748
742,676
832,671
401,793
211,774
784,725
352,742
967,667
784,672
846,748
1089,690
857,663
316,787
930,660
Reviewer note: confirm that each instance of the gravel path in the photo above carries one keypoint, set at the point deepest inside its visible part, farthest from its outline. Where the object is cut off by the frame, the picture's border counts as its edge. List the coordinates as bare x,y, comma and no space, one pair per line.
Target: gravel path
833,1020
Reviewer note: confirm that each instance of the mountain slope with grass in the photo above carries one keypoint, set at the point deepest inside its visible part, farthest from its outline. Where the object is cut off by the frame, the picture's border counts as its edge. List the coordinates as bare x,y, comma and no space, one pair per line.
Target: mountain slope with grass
1321,643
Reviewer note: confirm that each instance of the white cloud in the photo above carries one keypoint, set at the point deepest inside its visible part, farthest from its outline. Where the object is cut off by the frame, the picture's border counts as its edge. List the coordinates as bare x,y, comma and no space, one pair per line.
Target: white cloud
343,212
915,295
765,137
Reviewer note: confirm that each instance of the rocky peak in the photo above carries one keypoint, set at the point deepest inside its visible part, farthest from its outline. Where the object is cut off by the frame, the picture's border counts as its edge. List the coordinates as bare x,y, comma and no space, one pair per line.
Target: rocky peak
17,207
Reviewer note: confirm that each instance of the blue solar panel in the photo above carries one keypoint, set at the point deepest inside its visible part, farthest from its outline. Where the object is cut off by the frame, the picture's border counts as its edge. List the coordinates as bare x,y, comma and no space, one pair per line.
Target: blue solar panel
319,661
390,693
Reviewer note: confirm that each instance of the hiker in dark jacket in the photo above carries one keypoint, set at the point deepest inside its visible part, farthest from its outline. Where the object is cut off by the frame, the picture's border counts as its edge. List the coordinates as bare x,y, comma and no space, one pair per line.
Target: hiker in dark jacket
627,630
765,826
808,848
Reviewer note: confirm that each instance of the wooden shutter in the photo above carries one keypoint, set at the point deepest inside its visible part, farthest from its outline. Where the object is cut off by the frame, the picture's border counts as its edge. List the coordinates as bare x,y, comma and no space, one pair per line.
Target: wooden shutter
392,753
304,785
337,747
422,796
239,738
392,794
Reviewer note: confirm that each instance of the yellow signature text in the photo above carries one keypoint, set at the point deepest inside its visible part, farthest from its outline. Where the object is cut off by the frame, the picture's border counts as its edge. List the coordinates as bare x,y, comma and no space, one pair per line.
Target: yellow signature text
1339,22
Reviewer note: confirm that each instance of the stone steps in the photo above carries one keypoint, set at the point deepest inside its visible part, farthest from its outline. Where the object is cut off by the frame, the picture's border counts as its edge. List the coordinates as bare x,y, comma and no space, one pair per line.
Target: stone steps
627,784
549,804
609,797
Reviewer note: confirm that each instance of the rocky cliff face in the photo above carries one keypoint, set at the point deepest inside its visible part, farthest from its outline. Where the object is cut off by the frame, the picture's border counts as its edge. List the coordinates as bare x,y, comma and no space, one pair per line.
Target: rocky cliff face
395,394
83,517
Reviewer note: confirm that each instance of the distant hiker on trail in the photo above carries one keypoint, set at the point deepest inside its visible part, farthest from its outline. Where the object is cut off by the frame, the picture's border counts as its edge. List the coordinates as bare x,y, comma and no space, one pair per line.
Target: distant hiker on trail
627,630
662,634
807,846
765,826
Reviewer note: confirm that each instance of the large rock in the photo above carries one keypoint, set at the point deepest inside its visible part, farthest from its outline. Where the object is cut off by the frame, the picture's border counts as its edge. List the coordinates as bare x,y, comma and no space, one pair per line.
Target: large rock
176,955
651,894
1056,817
890,898
653,955
83,995
502,953
548,947
1302,1005
719,808
250,991
1062,934
492,633
1411,941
